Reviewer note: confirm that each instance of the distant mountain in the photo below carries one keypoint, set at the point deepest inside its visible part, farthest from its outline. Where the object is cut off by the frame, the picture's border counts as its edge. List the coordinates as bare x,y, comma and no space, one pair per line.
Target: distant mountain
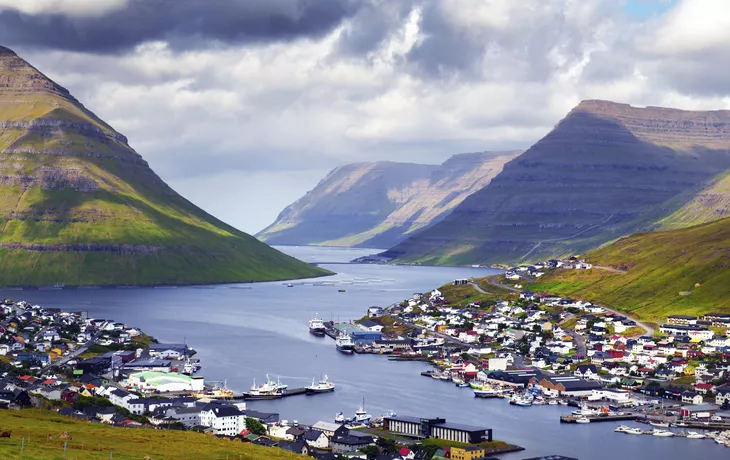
79,206
380,204
685,271
605,171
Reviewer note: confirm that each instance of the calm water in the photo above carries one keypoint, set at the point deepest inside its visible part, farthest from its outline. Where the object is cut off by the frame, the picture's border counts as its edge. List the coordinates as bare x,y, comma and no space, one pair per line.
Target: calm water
241,334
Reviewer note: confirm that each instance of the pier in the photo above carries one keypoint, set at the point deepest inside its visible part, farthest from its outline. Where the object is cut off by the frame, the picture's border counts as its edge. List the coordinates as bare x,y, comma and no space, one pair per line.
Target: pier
600,418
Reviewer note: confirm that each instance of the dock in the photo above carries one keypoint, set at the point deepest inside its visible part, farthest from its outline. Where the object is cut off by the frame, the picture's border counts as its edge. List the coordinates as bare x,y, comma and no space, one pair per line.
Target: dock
600,418
286,394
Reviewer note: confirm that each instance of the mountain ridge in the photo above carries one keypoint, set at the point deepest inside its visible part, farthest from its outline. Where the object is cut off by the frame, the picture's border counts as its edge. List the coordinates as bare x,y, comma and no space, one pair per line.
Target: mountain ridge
375,204
79,206
606,170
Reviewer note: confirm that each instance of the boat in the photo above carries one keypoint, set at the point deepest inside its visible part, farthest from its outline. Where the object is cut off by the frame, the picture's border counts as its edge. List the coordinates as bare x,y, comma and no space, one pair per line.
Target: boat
662,433
323,386
622,429
361,415
340,418
486,392
436,374
457,381
582,419
289,285
695,435
344,343
216,392
269,390
340,290
463,385
316,326
634,431
280,386
562,402
659,424
585,410
521,400
553,402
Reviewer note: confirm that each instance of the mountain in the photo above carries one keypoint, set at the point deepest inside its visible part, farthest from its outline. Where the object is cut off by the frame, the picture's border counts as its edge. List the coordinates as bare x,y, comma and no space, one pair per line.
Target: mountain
379,204
605,171
693,261
79,206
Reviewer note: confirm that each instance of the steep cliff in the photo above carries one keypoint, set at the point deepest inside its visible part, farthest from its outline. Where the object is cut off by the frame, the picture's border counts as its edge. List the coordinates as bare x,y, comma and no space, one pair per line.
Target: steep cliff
606,170
79,206
379,204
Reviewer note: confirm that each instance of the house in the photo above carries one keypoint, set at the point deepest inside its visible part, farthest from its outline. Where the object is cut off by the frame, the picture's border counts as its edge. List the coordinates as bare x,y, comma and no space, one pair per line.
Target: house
698,411
406,454
682,320
690,397
316,439
371,326
350,441
328,428
566,385
723,395
225,420
586,372
298,447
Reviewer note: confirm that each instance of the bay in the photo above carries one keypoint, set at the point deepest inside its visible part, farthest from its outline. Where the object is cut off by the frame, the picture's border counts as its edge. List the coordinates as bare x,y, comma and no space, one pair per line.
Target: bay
242,332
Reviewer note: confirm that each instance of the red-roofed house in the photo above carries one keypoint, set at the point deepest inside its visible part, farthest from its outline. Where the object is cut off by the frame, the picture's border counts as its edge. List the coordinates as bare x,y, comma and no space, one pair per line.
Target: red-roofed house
704,388
406,453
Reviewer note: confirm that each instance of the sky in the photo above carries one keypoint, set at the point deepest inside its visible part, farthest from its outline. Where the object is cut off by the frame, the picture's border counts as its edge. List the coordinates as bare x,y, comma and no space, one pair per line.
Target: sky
243,106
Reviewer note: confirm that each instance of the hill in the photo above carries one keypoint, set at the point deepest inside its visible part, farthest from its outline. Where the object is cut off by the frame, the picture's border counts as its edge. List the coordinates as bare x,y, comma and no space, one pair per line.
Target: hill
79,206
659,266
379,204
95,441
605,171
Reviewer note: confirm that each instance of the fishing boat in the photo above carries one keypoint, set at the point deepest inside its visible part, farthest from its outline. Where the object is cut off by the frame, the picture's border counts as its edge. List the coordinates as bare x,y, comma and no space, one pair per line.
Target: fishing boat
562,402
463,385
361,415
323,386
457,381
316,326
269,390
659,424
521,400
289,285
585,410
582,419
344,343
486,392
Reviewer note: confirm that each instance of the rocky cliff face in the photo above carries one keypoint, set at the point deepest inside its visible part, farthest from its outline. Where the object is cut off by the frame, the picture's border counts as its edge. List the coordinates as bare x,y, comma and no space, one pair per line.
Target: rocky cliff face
379,204
606,170
79,206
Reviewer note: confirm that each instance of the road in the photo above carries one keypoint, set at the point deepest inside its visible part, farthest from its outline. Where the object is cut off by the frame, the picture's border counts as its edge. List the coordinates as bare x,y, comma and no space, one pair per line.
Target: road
66,358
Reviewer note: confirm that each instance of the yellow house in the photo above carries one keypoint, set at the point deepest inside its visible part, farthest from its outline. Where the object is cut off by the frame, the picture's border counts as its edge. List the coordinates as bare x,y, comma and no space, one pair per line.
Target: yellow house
467,453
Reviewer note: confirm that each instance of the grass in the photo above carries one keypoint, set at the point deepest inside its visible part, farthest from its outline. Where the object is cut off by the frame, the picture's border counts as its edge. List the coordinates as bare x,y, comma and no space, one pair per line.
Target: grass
94,441
464,294
98,215
659,266
486,445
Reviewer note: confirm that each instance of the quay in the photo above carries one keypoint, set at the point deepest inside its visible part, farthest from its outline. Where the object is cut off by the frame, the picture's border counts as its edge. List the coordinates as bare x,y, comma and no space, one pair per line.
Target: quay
600,418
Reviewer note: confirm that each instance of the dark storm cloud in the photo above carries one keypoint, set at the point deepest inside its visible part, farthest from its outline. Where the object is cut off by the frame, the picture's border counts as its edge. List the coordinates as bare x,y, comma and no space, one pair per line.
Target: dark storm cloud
183,23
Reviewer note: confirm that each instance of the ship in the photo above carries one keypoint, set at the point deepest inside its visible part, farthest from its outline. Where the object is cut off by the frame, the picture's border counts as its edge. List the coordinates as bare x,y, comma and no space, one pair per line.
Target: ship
316,326
361,415
269,390
344,343
323,386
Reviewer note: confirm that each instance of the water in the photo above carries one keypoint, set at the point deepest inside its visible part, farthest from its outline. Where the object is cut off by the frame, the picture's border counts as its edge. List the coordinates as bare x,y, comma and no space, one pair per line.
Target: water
241,334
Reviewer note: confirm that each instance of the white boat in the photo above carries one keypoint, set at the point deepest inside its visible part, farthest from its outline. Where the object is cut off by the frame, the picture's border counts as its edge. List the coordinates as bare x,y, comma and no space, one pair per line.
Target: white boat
553,402
340,418
634,431
562,402
316,326
695,435
344,343
323,386
662,433
361,415
486,392
583,419
622,429
585,410
269,390
659,424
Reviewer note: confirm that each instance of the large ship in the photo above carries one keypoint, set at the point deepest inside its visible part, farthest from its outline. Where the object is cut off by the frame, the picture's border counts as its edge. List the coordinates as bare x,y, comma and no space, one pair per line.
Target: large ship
269,390
344,343
322,386
316,326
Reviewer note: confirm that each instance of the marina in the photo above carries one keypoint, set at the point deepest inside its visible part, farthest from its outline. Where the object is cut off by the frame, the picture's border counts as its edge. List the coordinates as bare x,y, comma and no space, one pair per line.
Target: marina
243,333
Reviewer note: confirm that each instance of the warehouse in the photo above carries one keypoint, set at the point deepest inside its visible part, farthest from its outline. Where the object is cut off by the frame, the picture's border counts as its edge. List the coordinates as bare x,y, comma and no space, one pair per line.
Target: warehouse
164,382
436,428
566,385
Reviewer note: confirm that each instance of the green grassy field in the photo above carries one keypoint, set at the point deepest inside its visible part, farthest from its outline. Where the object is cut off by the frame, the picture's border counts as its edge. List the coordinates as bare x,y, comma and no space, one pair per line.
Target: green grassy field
659,266
464,294
94,441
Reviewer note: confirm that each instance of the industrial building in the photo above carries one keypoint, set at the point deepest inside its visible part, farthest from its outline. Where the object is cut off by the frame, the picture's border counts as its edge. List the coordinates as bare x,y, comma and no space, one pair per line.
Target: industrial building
164,382
416,427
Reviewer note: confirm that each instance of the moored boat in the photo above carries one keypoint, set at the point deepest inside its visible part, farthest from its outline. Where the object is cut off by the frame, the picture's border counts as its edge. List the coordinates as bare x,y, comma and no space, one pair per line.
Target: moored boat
634,431
583,419
344,343
622,429
695,435
323,386
361,415
316,326
662,433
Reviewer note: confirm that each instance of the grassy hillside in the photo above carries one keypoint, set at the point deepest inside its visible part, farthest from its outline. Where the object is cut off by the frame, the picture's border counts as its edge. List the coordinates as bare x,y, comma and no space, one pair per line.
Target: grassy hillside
658,267
79,206
94,441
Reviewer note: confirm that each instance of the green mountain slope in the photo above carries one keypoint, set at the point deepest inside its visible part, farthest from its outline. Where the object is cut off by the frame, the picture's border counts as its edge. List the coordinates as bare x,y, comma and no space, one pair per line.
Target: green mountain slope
79,206
658,266
605,171
708,203
380,204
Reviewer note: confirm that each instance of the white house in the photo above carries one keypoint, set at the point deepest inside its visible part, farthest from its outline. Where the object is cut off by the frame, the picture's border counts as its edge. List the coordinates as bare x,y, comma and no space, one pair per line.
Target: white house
610,394
225,420
316,439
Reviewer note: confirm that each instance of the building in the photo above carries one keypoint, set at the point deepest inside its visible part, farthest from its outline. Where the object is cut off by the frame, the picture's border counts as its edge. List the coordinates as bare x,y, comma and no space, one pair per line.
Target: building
224,420
164,382
682,320
497,364
698,411
467,453
391,345
188,416
694,332
609,394
168,350
153,365
690,397
315,438
371,326
586,372
436,428
723,395
349,441
567,385
328,428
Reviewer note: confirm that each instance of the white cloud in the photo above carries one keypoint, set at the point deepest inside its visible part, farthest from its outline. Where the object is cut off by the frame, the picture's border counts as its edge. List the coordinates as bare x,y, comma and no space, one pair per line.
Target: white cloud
445,77
76,8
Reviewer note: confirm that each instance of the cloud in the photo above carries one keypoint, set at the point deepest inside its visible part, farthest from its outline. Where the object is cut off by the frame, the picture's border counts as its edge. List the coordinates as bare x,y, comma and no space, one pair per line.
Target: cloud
410,80
120,25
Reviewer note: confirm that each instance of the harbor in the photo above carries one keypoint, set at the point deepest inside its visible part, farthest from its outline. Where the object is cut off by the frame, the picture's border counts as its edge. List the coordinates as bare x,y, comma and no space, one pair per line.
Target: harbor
246,333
